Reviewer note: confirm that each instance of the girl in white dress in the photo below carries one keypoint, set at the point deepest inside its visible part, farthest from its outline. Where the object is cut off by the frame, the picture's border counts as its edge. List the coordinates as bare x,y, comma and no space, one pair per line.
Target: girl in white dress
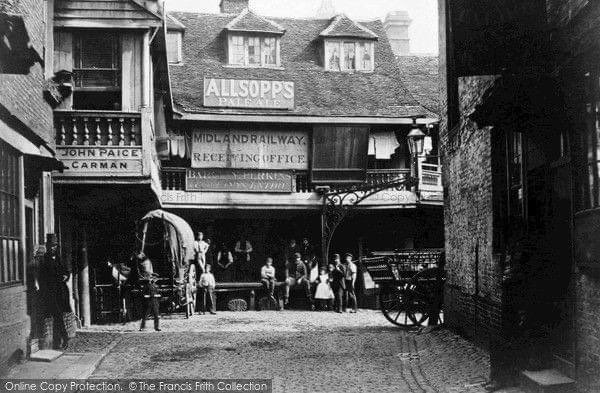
324,294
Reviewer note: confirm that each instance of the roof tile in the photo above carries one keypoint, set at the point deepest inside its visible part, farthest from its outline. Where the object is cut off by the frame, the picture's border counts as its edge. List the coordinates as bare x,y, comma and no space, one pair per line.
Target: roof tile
380,93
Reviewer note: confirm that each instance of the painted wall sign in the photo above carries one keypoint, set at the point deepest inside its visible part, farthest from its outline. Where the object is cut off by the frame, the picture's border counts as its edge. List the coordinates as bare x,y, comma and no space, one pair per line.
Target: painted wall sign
243,180
250,149
100,160
244,93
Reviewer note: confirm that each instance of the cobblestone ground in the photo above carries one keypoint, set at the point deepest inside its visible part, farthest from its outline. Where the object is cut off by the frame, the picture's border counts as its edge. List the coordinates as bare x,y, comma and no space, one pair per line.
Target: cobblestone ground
300,351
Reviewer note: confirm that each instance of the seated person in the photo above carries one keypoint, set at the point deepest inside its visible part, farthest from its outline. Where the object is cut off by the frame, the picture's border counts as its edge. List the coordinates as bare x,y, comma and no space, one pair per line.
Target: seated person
267,277
296,275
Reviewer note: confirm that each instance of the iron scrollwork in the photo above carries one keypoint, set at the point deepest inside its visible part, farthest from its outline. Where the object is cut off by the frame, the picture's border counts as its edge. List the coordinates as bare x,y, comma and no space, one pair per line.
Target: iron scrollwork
337,204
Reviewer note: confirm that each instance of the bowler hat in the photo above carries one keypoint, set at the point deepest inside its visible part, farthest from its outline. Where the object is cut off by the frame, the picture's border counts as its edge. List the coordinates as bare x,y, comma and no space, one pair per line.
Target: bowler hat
51,239
348,255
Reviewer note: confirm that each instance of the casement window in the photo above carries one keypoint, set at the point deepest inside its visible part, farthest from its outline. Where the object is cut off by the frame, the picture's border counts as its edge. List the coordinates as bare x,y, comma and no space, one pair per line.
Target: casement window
516,175
11,269
174,52
253,51
349,55
96,71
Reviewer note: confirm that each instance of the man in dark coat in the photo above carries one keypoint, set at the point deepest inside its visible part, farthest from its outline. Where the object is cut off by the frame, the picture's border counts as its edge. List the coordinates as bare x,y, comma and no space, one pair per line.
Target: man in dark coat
338,282
53,278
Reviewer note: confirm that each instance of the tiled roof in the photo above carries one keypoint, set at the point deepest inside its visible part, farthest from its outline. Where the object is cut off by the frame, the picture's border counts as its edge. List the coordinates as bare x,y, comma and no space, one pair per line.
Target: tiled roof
342,26
421,75
248,21
380,93
174,24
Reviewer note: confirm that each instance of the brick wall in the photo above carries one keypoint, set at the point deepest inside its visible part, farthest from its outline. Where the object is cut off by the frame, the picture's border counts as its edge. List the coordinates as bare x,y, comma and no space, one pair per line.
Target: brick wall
14,325
22,95
472,301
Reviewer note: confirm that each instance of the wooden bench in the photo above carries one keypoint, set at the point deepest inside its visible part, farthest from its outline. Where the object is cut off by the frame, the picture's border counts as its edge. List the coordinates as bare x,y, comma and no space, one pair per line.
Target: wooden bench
250,288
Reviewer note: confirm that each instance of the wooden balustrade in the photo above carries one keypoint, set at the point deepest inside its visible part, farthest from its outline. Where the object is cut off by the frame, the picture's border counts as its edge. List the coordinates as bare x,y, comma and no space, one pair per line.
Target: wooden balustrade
173,179
97,128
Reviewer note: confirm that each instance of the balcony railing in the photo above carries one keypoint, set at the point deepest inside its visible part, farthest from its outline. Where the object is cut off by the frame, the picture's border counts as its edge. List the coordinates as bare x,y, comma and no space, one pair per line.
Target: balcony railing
174,178
97,128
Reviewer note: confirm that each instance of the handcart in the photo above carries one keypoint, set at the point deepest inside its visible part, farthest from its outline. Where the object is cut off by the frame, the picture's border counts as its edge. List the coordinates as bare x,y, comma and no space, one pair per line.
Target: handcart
410,285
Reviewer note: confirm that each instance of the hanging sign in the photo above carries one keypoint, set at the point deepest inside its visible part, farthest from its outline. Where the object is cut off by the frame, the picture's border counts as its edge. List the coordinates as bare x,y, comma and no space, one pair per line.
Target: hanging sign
244,93
250,149
100,161
241,180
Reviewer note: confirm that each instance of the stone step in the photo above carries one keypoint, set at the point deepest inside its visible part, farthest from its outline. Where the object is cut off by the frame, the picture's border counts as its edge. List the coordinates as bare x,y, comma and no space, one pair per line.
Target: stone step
546,381
45,355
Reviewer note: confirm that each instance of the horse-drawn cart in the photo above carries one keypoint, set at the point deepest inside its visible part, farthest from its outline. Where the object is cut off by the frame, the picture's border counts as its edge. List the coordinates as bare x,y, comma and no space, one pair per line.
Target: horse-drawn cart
410,284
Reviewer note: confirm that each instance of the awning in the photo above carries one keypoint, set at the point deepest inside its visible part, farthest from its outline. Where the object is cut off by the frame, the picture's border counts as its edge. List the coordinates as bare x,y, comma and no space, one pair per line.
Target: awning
43,158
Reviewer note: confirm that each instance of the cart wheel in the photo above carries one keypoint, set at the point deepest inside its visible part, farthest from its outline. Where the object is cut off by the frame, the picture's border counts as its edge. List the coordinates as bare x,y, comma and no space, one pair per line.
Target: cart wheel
394,304
428,285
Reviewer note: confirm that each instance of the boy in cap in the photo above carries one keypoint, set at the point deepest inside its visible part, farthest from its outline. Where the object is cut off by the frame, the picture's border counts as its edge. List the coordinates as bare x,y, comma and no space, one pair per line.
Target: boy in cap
350,280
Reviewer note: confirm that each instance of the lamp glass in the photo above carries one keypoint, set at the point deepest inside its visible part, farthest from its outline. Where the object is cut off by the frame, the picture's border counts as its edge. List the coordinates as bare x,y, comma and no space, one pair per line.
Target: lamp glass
416,141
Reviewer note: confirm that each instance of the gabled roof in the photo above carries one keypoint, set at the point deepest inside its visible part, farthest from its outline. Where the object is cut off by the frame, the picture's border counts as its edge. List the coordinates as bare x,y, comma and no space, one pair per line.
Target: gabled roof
342,26
173,23
318,92
116,13
248,21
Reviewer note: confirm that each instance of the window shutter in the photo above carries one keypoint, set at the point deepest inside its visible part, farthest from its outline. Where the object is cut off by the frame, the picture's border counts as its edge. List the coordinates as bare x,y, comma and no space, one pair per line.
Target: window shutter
339,154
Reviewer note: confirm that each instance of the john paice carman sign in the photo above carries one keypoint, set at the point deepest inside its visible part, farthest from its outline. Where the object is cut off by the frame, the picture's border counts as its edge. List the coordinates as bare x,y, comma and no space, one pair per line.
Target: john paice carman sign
100,161
244,93
242,180
247,149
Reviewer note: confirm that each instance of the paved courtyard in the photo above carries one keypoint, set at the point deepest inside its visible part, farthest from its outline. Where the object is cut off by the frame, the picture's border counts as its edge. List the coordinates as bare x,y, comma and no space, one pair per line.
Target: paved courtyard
300,351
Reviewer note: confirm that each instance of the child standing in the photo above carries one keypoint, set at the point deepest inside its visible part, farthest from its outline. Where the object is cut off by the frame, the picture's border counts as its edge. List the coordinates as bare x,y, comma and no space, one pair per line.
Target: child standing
207,283
324,294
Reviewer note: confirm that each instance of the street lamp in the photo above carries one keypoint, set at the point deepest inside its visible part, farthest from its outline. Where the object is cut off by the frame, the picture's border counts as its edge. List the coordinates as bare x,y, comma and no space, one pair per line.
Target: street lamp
416,141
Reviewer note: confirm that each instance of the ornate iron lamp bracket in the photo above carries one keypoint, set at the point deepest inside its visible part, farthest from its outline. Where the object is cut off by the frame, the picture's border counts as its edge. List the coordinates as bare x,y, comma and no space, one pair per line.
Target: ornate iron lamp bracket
337,204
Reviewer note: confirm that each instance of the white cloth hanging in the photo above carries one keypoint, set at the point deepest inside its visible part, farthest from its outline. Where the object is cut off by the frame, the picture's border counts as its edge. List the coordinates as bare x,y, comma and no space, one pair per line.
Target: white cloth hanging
383,144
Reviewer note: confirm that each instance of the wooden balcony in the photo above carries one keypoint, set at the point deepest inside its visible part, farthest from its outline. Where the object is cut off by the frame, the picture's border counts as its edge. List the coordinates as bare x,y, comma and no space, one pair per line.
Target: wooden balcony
174,178
97,128
101,146
303,195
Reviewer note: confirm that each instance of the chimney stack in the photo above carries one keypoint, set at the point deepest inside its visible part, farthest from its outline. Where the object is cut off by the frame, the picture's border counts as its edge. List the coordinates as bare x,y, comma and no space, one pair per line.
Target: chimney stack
396,28
233,6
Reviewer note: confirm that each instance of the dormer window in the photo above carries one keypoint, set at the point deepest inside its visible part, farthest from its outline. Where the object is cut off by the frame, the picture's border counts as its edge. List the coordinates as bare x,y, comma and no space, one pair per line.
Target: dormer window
174,39
345,55
348,46
253,51
253,41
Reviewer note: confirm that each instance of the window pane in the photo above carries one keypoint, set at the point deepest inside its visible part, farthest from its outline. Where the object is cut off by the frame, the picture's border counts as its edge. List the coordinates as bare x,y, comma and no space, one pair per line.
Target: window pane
269,51
253,50
237,50
365,62
332,55
97,51
349,56
173,43
10,261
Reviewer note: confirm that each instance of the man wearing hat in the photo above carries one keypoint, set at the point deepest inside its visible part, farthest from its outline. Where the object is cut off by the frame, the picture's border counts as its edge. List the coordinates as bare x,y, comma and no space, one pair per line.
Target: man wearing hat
338,282
296,275
147,280
350,279
53,277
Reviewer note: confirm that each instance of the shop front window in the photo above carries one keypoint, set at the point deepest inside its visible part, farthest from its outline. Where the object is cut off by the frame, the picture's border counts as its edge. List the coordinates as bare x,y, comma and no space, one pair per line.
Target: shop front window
11,270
